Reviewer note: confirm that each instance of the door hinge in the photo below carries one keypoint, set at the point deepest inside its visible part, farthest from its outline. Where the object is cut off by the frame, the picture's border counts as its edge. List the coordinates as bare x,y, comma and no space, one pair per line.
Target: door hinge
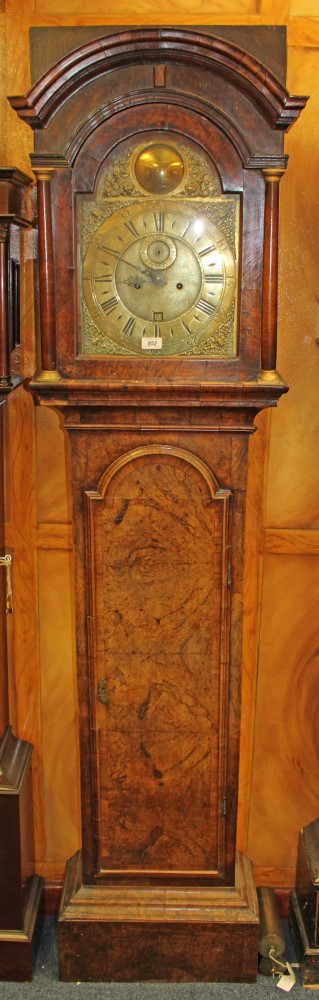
6,561
224,805
229,574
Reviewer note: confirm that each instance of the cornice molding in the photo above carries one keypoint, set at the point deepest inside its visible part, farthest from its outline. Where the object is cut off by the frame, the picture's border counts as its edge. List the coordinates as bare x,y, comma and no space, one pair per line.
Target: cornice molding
126,48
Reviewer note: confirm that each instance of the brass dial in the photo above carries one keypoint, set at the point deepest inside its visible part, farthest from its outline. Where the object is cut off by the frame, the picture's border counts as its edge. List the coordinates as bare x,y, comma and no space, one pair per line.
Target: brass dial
159,276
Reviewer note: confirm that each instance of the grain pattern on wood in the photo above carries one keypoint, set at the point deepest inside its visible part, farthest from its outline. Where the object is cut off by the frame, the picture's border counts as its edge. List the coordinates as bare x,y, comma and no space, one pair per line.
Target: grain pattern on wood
159,599
59,714
285,764
25,715
296,541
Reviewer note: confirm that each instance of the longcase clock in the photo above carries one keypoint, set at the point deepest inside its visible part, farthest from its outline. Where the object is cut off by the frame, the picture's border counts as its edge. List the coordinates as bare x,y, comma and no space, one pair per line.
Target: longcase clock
158,157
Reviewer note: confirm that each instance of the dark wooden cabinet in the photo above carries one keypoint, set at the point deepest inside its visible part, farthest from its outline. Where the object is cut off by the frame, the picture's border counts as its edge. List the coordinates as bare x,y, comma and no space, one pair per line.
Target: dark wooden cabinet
304,905
158,156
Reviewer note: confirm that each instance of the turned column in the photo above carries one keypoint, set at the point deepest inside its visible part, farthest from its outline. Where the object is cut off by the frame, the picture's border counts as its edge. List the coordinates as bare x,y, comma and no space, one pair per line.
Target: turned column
46,277
270,276
5,378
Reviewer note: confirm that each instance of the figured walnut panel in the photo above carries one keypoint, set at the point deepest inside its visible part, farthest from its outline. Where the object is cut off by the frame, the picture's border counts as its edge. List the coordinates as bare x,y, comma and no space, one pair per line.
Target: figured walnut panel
157,578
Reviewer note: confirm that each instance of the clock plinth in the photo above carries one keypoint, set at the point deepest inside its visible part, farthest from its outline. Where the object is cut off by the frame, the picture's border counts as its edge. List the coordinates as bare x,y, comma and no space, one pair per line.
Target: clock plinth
154,933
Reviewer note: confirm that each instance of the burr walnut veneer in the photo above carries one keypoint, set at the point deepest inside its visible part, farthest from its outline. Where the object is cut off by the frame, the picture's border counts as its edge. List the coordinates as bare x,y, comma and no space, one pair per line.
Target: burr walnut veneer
158,349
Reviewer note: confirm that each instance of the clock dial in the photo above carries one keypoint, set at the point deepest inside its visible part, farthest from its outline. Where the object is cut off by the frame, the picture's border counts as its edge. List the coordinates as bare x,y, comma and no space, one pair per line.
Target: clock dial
159,271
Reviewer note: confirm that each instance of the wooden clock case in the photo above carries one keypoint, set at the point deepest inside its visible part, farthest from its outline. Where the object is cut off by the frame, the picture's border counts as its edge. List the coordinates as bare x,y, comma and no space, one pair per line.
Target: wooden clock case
159,468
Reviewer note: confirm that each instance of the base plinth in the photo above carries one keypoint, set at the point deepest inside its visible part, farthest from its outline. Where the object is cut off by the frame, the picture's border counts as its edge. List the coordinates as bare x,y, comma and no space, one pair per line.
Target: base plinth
18,947
135,934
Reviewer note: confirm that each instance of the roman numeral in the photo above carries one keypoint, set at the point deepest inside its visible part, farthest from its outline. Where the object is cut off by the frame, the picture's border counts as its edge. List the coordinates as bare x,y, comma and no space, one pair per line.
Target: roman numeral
102,277
186,228
202,253
114,253
205,307
129,326
109,305
159,221
213,279
131,228
188,331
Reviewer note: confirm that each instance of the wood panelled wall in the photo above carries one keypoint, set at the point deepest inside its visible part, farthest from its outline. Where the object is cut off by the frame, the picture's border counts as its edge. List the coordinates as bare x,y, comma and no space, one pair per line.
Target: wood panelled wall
279,778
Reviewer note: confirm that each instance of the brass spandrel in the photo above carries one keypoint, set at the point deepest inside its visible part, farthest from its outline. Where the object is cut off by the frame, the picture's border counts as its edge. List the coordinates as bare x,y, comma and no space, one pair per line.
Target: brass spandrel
192,176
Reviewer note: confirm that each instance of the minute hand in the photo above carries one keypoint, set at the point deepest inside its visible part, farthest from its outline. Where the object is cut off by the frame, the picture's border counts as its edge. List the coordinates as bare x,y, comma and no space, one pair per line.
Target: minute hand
115,253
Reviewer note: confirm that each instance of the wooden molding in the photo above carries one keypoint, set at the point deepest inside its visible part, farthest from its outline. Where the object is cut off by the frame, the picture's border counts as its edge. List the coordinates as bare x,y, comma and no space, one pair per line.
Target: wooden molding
53,890
125,47
291,541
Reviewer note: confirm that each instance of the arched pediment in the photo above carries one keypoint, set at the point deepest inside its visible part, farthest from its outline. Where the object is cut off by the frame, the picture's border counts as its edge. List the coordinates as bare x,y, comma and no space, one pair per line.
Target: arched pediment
158,45
142,106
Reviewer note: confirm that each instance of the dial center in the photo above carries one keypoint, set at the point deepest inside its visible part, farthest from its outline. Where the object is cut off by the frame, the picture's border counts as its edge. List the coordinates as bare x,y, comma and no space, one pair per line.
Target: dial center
168,286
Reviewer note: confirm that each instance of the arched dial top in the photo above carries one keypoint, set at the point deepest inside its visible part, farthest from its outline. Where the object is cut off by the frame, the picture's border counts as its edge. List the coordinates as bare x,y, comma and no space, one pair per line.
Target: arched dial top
159,276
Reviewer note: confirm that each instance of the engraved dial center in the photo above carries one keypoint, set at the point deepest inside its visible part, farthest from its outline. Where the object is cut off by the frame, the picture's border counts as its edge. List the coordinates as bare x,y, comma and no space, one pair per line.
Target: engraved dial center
168,283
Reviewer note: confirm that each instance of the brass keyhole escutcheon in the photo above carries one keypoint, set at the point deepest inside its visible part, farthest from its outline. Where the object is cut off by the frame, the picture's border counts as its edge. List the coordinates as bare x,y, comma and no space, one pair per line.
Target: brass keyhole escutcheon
102,692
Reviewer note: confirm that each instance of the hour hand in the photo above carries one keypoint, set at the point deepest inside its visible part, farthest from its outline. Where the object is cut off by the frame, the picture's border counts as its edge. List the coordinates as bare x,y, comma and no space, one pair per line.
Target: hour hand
136,281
